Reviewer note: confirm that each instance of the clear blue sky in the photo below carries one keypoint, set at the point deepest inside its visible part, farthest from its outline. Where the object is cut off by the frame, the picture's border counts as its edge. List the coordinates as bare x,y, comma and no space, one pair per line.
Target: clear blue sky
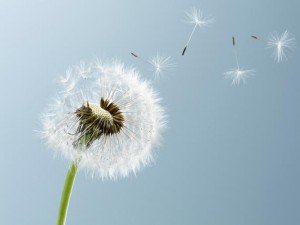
230,154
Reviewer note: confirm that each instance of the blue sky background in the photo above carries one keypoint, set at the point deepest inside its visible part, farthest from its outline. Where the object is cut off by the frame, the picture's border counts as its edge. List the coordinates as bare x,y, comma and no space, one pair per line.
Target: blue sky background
230,154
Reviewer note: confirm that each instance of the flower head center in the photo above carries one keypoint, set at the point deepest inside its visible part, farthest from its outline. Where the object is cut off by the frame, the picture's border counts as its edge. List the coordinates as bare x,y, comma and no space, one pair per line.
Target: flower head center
101,113
96,120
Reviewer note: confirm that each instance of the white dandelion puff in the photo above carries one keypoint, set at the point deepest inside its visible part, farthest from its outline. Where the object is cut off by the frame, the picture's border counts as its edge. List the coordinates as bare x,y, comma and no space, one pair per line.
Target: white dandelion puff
109,123
159,63
281,43
196,17
237,75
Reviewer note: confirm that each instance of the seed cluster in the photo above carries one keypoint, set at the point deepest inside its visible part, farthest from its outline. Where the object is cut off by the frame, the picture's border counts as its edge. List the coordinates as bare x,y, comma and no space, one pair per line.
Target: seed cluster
97,120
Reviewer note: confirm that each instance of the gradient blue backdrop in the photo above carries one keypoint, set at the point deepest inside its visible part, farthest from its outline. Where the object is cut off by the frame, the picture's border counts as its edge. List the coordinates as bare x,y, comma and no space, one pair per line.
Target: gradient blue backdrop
230,154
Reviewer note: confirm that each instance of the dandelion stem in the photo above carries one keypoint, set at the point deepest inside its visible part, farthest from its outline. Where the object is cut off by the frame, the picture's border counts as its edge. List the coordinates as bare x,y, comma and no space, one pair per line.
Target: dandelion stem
65,197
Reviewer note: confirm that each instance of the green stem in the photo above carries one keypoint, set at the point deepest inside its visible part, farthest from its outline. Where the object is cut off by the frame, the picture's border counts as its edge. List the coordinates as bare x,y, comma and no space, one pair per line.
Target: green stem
65,197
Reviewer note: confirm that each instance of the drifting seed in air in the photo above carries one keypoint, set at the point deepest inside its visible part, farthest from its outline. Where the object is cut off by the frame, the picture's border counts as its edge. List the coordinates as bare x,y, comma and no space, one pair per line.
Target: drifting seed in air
237,74
280,43
159,63
197,18
134,55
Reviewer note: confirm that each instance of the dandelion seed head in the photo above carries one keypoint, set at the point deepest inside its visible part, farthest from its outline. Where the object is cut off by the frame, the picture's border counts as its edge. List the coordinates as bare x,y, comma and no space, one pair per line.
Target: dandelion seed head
281,43
197,17
237,75
111,122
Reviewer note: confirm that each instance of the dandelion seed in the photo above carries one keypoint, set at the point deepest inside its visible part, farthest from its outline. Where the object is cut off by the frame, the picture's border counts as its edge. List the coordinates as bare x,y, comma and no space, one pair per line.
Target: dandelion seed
237,75
281,43
197,18
159,63
83,70
112,127
134,55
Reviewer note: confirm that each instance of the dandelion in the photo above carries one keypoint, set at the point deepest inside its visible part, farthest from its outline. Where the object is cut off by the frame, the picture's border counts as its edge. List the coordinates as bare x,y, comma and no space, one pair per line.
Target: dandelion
159,63
280,44
237,74
197,18
108,124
